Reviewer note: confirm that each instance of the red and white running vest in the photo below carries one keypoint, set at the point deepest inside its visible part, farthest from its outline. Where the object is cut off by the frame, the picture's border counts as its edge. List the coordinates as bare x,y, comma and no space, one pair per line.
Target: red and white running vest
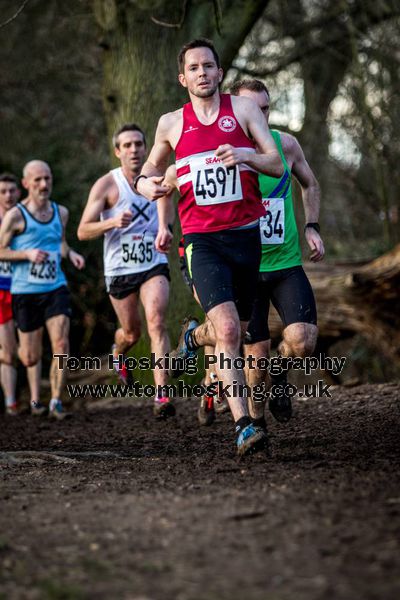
214,197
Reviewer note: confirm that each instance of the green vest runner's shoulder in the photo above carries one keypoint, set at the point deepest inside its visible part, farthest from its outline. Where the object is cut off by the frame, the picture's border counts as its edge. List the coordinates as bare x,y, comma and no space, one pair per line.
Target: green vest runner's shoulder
279,235
269,184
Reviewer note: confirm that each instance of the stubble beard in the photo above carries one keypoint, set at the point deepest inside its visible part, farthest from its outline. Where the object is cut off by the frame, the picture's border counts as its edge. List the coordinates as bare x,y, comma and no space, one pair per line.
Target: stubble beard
199,93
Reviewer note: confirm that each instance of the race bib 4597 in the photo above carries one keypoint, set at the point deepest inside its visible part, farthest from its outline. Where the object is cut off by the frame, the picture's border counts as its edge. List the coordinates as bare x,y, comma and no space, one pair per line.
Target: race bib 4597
213,183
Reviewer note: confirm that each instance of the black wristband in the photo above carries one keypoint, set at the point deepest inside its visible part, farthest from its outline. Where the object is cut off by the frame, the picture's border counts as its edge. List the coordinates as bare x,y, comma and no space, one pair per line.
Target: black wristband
170,227
313,226
135,181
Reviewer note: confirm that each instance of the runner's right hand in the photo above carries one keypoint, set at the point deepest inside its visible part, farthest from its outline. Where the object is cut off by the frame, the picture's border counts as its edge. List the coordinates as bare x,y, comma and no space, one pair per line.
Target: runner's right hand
152,188
36,255
123,219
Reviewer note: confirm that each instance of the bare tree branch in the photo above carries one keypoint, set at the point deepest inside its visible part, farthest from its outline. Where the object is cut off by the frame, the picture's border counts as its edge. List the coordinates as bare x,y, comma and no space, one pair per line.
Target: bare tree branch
173,25
218,15
21,8
330,43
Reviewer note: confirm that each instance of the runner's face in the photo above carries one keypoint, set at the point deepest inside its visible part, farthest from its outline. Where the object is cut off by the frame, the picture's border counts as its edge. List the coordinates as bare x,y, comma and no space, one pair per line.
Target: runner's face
131,151
201,75
260,98
9,194
39,182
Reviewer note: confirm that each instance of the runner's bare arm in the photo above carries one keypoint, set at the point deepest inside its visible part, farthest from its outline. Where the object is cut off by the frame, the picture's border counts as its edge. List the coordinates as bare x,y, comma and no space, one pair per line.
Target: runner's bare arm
310,192
66,251
90,226
267,160
12,224
166,213
152,186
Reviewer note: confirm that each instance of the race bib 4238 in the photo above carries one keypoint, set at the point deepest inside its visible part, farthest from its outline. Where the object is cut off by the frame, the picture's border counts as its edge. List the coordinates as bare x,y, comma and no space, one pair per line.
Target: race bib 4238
45,272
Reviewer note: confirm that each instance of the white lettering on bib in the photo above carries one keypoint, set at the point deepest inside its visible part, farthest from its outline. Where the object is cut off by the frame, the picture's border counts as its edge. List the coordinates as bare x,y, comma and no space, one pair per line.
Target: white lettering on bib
213,183
45,272
272,225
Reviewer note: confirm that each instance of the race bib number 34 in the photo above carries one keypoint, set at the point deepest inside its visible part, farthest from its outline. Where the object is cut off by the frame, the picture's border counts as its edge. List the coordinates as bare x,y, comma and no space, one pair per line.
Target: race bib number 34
45,272
137,251
213,183
272,226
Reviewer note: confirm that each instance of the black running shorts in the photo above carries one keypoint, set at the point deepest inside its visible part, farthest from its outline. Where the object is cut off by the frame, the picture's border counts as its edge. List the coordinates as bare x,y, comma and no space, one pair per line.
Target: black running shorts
31,311
223,266
121,286
185,274
183,265
290,292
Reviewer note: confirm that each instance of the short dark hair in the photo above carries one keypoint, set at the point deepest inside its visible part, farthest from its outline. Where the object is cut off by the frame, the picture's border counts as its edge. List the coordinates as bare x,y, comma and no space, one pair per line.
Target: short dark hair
197,43
10,178
254,85
127,127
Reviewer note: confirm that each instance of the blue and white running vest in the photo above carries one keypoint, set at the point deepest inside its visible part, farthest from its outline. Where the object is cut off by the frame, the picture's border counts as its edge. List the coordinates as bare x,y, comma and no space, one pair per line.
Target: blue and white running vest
38,278
131,249
5,274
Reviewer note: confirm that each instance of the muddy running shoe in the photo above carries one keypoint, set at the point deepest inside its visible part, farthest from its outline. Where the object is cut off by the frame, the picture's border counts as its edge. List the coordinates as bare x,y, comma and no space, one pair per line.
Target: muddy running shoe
163,408
38,409
280,402
11,410
261,423
58,412
206,412
251,439
184,349
123,373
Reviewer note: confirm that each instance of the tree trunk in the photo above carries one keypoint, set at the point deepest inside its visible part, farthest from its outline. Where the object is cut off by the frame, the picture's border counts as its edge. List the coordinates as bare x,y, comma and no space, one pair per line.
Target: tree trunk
357,299
141,41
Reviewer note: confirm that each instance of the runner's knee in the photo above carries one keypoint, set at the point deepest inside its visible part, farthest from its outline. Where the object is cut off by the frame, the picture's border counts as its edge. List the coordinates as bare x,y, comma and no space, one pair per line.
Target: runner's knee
29,358
8,357
228,332
300,340
302,348
156,325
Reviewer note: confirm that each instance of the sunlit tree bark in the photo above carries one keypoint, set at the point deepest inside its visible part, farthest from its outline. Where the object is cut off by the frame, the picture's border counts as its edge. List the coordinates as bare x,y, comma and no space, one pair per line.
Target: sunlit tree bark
141,41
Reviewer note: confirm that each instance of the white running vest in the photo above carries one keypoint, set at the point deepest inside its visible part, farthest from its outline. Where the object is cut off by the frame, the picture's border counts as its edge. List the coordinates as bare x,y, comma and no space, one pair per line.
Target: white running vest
131,249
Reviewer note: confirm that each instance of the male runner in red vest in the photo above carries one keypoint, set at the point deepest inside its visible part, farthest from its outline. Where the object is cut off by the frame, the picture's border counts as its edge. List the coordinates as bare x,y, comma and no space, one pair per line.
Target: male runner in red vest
9,195
214,138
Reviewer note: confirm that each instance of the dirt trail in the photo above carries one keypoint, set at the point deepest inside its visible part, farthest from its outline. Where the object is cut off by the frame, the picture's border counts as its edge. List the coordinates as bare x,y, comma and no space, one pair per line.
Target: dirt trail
112,505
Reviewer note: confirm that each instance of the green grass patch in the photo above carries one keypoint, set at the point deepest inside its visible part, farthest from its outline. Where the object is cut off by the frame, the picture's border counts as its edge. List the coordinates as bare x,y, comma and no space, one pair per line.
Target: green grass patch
58,590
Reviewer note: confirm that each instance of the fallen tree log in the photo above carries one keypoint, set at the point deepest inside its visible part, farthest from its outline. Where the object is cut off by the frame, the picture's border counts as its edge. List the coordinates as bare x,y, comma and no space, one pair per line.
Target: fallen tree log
356,298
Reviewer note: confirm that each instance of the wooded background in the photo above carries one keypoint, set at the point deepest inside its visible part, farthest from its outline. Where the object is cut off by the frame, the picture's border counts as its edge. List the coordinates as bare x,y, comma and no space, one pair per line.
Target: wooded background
73,71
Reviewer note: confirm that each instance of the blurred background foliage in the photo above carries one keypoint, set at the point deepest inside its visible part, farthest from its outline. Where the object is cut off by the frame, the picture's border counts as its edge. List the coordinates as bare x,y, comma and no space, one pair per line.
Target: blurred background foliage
71,71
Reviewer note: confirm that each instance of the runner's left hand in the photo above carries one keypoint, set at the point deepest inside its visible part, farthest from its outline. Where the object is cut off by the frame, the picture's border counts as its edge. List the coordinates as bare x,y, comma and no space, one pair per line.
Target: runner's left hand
230,155
163,240
77,259
316,244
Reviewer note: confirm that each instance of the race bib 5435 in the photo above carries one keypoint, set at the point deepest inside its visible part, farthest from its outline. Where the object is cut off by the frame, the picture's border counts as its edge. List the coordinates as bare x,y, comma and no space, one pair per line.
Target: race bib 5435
137,251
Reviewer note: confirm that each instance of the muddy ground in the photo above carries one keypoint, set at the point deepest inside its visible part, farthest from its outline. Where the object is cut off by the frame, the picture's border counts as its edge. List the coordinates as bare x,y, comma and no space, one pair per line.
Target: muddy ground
113,505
